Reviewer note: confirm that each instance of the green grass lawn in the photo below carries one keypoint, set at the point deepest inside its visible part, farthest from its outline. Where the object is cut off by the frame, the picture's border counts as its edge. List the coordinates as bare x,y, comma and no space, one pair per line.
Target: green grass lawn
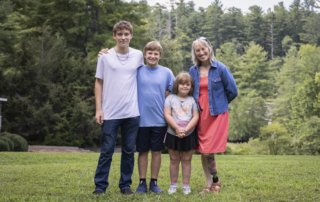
69,177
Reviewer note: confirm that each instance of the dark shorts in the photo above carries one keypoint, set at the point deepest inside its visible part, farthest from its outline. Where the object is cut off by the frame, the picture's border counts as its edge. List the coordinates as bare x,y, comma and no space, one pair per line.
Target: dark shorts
150,138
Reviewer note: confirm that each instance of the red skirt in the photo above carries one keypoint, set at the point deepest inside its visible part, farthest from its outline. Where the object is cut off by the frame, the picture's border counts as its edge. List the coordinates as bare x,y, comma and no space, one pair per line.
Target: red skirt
212,130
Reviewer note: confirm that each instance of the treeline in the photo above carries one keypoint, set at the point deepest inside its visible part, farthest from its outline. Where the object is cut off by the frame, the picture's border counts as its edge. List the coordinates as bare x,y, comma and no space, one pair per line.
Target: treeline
48,58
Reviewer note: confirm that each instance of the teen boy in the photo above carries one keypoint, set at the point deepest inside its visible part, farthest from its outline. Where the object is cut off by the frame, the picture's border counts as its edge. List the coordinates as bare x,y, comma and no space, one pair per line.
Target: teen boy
117,106
153,81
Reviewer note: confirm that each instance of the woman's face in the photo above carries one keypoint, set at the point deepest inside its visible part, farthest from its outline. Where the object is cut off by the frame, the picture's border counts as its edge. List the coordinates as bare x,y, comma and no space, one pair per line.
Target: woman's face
201,51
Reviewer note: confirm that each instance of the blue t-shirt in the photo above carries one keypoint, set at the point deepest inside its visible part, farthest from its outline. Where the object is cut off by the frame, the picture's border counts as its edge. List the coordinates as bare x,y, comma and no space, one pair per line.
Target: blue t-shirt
152,84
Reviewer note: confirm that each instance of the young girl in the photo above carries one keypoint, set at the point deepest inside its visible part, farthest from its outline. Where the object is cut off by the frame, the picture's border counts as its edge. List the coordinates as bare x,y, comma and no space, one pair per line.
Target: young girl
181,113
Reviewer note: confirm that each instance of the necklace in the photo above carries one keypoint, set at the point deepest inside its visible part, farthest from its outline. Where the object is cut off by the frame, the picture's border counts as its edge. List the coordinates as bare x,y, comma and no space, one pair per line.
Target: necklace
125,60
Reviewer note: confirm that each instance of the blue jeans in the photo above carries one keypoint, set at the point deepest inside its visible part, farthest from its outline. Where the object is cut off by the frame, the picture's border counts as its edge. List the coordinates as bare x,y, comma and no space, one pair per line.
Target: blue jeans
129,131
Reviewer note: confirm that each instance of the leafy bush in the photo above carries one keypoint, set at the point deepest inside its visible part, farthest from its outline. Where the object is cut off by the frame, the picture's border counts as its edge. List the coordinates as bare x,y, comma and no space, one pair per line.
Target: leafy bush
20,144
277,138
4,146
242,151
10,142
258,147
228,150
308,138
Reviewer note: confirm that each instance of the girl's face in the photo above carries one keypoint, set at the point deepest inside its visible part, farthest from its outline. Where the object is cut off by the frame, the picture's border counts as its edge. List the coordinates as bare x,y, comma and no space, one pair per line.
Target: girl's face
201,51
184,89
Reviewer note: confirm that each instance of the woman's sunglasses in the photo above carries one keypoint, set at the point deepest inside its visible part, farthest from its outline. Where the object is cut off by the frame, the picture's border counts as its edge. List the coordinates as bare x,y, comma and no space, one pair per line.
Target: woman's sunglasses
203,38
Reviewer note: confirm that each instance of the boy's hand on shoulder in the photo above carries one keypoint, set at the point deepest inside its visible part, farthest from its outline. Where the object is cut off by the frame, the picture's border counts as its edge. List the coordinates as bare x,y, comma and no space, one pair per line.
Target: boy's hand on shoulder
103,51
99,117
166,93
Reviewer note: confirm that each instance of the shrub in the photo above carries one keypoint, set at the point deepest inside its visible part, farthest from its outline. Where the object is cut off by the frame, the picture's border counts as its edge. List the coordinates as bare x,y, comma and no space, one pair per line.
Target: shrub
242,151
20,144
277,138
4,146
228,151
165,151
10,142
258,147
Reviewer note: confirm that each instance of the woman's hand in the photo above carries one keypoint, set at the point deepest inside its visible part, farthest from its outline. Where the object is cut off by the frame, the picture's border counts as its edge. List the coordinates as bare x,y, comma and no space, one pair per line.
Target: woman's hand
103,51
166,93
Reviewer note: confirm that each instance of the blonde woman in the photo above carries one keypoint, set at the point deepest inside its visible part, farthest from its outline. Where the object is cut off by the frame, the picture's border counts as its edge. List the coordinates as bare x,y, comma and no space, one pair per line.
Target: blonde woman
214,89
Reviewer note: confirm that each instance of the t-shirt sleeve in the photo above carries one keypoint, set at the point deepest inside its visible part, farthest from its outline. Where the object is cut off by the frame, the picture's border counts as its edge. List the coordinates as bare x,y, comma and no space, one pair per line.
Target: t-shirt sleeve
141,60
194,105
167,102
171,80
100,65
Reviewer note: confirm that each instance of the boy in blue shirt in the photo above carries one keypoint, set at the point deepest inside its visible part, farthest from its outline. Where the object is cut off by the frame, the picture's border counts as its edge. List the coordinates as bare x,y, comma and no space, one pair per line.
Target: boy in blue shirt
153,80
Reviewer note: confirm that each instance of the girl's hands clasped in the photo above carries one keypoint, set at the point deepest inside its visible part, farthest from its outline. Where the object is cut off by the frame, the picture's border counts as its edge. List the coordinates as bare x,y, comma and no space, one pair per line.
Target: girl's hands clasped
181,132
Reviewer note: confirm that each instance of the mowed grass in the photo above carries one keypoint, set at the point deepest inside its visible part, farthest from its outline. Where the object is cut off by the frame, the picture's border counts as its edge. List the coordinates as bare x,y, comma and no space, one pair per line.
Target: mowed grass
69,177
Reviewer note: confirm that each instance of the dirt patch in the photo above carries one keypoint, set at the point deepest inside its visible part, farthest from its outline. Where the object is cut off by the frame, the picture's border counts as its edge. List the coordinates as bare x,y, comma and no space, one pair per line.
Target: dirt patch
64,149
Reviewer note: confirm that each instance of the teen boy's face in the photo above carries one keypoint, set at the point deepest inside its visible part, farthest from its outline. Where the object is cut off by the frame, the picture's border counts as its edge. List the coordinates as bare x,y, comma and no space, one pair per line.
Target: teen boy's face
152,58
122,37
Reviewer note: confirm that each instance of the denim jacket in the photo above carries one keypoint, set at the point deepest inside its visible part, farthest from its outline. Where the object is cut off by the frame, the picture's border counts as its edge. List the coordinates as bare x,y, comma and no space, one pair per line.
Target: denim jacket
222,88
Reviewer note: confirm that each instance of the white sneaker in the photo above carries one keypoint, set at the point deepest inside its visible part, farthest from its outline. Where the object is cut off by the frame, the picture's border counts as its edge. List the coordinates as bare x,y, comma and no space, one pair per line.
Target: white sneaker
172,189
186,190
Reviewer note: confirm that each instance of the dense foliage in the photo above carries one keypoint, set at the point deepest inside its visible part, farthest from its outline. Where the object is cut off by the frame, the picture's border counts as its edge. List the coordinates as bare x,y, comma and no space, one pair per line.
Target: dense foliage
12,142
48,54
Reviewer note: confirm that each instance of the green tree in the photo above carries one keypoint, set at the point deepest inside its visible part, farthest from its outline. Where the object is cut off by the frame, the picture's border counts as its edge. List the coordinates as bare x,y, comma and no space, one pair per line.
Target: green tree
295,20
311,29
233,25
306,116
280,28
227,54
212,28
256,29
286,81
171,56
255,72
277,138
308,140
287,42
247,115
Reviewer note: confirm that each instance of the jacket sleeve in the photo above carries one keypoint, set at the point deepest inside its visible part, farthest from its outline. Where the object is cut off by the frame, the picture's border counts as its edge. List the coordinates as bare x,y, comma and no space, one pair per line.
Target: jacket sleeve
229,84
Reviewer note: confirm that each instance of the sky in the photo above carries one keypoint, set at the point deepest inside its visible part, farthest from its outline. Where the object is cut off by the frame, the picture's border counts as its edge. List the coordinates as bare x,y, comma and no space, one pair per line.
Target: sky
242,4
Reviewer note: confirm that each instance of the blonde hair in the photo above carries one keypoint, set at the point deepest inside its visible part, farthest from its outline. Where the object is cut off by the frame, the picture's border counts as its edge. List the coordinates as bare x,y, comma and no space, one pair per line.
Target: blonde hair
121,25
205,43
153,45
182,78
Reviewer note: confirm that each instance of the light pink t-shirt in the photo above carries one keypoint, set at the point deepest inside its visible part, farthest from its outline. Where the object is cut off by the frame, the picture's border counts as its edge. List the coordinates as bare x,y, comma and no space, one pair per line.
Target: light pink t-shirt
119,75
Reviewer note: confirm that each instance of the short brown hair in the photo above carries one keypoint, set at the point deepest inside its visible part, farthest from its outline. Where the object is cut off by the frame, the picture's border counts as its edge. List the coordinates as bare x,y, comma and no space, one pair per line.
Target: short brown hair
183,78
152,46
121,25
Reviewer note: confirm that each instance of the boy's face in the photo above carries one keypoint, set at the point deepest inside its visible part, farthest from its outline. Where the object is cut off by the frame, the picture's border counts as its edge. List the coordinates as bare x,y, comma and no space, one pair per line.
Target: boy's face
122,37
152,58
